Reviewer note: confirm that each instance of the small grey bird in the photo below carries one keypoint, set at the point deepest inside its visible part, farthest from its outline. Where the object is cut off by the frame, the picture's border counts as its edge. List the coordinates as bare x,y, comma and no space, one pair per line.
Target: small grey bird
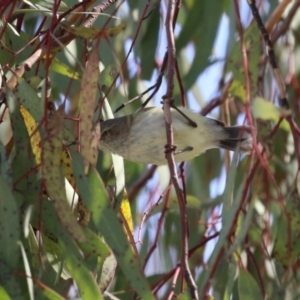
141,137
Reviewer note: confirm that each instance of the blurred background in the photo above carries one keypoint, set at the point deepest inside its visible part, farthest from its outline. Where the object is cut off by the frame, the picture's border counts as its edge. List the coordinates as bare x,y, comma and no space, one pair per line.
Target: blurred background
242,211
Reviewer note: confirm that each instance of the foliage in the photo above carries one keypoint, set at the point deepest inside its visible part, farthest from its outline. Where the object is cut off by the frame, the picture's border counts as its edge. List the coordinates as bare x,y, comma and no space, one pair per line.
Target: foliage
78,223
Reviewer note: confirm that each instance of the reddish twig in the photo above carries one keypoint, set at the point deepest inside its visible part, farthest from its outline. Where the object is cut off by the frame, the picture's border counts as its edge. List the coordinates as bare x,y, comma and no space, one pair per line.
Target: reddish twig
167,103
159,227
192,251
129,51
285,25
269,45
174,281
134,190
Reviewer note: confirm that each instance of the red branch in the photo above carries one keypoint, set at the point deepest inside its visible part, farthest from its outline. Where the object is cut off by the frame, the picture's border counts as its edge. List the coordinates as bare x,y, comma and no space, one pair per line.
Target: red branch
167,102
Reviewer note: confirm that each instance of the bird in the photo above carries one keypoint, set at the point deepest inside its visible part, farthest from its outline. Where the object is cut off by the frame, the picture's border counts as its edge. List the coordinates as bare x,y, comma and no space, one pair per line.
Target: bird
141,136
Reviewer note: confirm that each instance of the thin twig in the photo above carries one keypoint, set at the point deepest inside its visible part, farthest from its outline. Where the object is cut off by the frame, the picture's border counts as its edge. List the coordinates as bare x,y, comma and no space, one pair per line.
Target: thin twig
167,103
159,225
277,15
283,101
134,190
92,17
285,24
129,51
281,85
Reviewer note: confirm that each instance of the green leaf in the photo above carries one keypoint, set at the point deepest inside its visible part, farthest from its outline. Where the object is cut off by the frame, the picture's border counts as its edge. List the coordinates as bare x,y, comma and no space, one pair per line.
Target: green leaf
53,231
243,229
94,245
9,226
200,27
93,33
107,272
28,273
287,242
3,294
228,216
237,89
58,243
149,43
10,282
247,286
107,76
118,161
23,159
185,296
50,294
266,110
20,44
221,280
6,43
53,175
33,249
83,277
105,219
27,96
61,68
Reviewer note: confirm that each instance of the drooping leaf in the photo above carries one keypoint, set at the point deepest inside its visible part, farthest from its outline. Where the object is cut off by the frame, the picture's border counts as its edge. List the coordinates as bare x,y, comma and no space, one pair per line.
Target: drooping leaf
117,160
107,76
5,56
104,217
59,67
230,207
23,160
34,135
28,272
83,277
28,97
200,27
17,46
9,226
94,245
107,272
126,213
148,44
10,282
287,246
248,287
89,132
53,175
3,294
265,110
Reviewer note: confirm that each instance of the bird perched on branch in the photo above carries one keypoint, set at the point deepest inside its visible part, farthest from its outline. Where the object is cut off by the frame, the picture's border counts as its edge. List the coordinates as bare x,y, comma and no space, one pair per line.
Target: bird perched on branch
141,137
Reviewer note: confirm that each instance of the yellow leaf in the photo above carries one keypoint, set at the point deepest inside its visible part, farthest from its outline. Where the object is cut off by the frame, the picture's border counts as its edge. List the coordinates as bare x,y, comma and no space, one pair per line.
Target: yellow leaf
35,138
126,212
237,89
63,69
91,33
266,110
65,162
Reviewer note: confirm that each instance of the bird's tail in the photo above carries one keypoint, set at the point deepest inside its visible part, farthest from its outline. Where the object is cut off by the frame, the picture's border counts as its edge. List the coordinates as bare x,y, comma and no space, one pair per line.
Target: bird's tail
238,138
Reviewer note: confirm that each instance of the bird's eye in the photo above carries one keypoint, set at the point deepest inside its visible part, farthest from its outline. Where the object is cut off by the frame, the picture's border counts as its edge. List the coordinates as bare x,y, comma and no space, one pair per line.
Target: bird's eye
105,133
